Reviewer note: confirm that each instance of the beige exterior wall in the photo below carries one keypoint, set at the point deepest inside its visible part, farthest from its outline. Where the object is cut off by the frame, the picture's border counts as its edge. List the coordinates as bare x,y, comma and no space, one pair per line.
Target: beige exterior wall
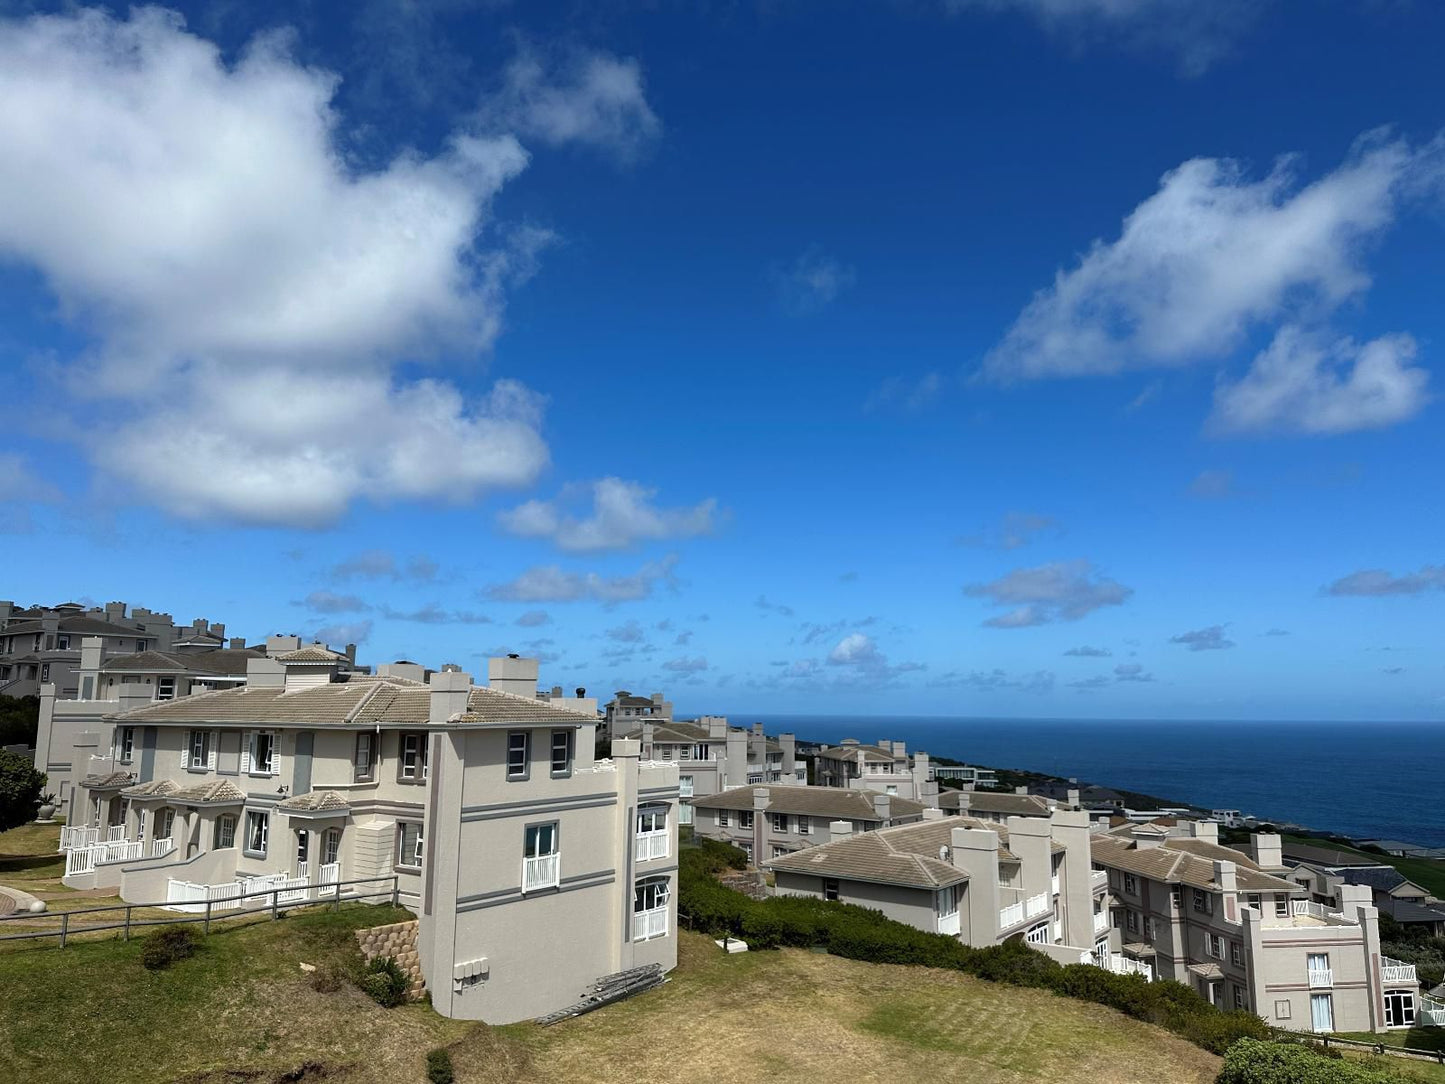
914,906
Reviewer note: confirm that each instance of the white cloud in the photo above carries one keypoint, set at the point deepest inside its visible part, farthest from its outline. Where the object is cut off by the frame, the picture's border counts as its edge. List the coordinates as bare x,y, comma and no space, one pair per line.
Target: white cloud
858,652
1307,383
1377,581
622,514
629,632
812,282
248,291
329,602
592,99
382,564
1210,256
906,393
1212,485
550,583
18,482
1211,638
685,665
1058,591
355,632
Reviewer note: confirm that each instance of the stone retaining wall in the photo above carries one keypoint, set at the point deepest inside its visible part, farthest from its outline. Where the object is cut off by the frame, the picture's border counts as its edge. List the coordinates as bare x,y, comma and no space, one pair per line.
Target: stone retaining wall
399,942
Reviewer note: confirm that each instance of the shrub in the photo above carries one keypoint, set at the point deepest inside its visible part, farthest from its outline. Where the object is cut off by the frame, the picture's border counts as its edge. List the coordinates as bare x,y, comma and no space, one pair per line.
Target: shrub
164,947
327,978
439,1066
384,982
1251,1061
1218,1032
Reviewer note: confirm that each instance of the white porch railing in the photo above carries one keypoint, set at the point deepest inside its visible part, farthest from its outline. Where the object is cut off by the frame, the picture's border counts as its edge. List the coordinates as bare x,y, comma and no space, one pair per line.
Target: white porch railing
1431,1012
1321,978
1036,905
1011,915
1101,921
122,850
329,874
1122,965
649,924
162,847
949,924
540,872
79,860
80,836
651,845
115,833
1397,971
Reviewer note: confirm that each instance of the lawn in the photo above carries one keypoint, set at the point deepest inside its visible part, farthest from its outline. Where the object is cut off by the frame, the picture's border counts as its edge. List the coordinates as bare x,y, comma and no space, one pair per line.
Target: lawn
1428,873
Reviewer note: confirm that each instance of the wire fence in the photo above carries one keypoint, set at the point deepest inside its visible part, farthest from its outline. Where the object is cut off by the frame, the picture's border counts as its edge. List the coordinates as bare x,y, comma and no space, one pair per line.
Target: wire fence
269,903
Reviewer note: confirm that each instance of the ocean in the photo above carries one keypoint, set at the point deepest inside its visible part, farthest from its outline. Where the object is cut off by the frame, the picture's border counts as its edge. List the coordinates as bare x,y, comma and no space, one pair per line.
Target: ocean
1365,780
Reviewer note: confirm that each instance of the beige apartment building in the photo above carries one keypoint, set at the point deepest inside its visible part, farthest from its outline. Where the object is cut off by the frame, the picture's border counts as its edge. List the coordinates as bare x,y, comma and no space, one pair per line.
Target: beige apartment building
773,821
980,881
885,767
487,806
1234,928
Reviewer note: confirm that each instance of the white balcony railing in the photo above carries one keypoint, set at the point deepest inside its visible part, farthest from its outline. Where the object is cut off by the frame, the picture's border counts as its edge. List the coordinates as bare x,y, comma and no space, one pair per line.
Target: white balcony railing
1307,908
1122,965
1101,921
1054,884
1098,878
1036,905
540,872
1397,971
651,845
162,847
1011,915
949,924
115,833
79,860
329,874
649,924
79,836
1321,978
1431,1012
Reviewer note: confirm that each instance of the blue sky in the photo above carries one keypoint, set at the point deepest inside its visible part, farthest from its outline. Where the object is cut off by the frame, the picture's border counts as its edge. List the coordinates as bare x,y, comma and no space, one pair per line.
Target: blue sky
1021,357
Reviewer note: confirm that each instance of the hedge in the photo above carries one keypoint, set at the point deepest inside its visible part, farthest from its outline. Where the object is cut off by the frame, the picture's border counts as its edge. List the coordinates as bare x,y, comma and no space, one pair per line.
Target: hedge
1250,1061
858,933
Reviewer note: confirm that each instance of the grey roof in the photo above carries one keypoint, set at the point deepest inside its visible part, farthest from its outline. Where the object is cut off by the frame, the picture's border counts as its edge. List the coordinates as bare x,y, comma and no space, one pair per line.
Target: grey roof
86,626
1328,856
355,700
155,788
834,802
1191,865
222,662
887,856
1381,878
871,753
1014,805
108,781
215,792
316,801
313,654
1410,911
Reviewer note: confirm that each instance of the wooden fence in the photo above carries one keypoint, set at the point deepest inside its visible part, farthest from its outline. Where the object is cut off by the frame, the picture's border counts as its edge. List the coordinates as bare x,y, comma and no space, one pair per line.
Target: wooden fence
1328,1041
272,902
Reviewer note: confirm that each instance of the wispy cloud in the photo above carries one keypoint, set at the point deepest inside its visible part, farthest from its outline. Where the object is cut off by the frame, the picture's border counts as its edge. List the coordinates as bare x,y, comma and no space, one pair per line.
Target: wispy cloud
550,583
907,393
384,565
1059,591
533,618
1212,485
685,665
1377,581
329,602
762,603
812,282
1037,681
1086,652
434,614
1015,530
352,632
616,514
1210,638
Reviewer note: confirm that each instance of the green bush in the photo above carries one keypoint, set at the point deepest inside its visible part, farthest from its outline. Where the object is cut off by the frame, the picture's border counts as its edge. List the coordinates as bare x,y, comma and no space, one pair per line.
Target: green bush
165,946
439,1066
1251,1061
384,982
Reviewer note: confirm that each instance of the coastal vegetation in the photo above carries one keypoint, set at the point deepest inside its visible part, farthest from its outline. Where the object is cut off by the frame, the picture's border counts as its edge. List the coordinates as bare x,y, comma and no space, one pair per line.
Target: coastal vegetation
19,719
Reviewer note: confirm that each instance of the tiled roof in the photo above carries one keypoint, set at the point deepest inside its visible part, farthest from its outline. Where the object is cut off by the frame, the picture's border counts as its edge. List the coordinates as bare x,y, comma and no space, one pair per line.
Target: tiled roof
1173,864
217,791
313,653
871,753
316,801
677,733
494,706
834,802
155,788
881,857
1380,878
222,662
86,626
108,780
1014,805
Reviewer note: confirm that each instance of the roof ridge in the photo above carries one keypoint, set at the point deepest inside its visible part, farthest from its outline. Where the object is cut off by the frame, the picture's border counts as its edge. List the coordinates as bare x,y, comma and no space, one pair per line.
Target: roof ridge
371,694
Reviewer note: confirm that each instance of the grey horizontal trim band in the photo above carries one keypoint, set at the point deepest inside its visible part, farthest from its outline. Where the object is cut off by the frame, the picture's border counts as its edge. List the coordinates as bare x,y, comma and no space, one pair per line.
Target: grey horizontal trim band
536,810
537,801
382,806
57,766
515,895
660,792
643,874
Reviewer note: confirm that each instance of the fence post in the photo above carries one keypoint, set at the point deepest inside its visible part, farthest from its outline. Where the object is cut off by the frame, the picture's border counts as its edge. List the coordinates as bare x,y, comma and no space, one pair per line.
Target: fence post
127,922
64,926
336,894
395,890
207,927
274,893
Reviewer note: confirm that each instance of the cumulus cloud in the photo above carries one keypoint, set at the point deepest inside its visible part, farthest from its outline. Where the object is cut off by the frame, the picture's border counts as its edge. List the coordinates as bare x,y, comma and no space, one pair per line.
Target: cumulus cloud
1210,256
1377,581
1015,530
329,602
1210,638
812,282
354,632
1195,32
1058,591
249,292
858,652
384,565
550,583
1305,382
532,618
588,98
1087,652
686,665
621,514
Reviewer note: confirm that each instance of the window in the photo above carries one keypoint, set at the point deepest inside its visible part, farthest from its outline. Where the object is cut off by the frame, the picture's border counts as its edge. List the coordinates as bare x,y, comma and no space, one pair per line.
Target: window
1214,945
363,765
805,825
541,865
562,744
1281,905
45,672
165,688
747,849
1253,900
518,754
1236,954
890,789
1203,902
409,844
225,831
1239,1000
262,753
1399,1008
666,751
1148,928
1318,966
165,823
413,766
684,786
1039,935
830,890
1131,920
331,846
1322,1012
780,822
1281,1010
649,909
1176,895
699,752
127,744
946,901
62,643
200,749
1131,884
722,818
745,818
141,645
258,832
652,833
779,850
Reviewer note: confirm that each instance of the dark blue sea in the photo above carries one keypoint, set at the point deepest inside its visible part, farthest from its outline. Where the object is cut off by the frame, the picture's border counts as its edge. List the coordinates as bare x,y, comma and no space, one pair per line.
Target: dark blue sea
1366,780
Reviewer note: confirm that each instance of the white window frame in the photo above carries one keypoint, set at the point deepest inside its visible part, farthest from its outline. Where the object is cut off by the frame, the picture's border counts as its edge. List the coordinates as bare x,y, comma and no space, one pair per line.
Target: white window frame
541,868
650,908
126,750
1131,920
259,818
331,847
1236,954
364,770
253,752
412,766
722,818
166,687
409,854
1400,1003
1038,935
1203,902
225,825
1131,885
200,748
745,818
653,835
685,786
805,825
780,821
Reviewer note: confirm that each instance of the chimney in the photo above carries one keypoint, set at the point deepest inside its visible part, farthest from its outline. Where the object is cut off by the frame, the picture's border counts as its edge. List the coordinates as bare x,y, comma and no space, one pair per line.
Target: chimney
218,630
267,673
647,751
717,727
1071,797
760,799
657,699
758,729
1021,790
933,814
134,695
839,830
899,749
1267,850
449,694
1225,876
965,801
350,654
1205,830
882,807
790,754
236,643
557,692
513,675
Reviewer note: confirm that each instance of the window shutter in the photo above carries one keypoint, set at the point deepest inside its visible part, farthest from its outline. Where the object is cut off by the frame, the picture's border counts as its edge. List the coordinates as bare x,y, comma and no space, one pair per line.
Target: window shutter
211,753
248,740
275,752
186,749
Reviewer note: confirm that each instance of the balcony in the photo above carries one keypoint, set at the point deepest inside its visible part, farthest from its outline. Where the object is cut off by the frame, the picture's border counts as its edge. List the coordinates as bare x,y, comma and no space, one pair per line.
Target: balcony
1098,880
1054,884
1036,905
949,924
1101,921
1122,965
1321,978
543,871
649,924
1397,971
651,845
1431,1012
1011,915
